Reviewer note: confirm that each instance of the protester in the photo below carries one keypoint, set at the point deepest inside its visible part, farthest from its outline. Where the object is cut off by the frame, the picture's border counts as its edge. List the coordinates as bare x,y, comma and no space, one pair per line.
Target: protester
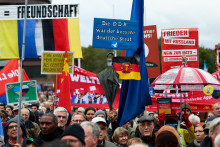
146,127
81,110
74,135
100,113
10,135
120,137
90,113
34,107
134,141
138,145
214,130
47,106
15,110
33,129
62,116
199,134
103,138
92,132
9,111
4,117
217,141
56,143
185,128
49,129
78,118
216,111
167,136
131,131
2,106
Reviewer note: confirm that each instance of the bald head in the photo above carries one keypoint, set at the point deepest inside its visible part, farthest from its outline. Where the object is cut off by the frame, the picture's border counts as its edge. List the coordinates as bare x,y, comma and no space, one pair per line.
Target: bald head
26,114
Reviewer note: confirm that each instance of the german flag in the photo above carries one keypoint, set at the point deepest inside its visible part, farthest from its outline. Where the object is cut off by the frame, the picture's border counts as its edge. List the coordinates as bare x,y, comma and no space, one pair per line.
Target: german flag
127,67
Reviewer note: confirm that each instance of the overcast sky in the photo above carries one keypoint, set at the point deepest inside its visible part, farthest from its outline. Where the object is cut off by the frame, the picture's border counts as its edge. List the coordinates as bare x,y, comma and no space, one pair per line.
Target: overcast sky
202,14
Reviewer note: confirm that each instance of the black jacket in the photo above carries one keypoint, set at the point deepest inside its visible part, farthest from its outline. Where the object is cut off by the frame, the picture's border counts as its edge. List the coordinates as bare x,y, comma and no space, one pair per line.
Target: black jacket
41,139
150,141
207,142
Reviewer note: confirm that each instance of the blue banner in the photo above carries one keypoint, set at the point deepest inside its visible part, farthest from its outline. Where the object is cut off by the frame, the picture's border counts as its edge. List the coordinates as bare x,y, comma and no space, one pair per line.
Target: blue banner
115,34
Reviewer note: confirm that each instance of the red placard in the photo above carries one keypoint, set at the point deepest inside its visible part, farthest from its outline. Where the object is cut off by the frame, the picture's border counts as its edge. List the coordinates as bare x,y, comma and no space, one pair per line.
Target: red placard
151,51
178,42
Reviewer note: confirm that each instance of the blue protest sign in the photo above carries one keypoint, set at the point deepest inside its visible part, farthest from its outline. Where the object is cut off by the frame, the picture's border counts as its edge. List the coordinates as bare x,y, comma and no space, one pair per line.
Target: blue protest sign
115,34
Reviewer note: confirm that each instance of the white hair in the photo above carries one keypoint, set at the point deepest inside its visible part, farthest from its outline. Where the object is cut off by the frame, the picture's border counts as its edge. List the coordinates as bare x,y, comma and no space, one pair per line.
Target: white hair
61,109
138,145
216,142
213,127
194,119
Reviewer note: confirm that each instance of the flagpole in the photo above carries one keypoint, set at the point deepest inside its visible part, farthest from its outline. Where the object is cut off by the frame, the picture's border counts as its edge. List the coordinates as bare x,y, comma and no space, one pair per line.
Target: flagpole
21,71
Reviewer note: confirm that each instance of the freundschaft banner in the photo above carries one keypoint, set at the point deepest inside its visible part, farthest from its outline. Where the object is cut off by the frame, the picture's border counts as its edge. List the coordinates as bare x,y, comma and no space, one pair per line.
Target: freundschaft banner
86,89
176,43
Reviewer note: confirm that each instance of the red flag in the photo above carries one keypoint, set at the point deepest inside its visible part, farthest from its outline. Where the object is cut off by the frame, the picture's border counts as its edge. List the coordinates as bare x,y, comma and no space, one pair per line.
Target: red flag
64,100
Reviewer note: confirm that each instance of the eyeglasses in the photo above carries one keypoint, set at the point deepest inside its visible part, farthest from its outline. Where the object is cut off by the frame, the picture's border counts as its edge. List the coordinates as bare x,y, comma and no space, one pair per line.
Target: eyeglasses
11,127
78,121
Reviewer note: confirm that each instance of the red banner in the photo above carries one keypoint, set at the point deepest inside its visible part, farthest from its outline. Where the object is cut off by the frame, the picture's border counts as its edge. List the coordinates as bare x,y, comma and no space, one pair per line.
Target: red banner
86,90
178,42
198,101
151,51
9,74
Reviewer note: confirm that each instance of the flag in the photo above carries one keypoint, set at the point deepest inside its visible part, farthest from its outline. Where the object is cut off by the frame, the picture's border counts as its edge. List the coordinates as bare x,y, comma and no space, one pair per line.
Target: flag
11,68
135,93
205,67
127,67
64,100
48,35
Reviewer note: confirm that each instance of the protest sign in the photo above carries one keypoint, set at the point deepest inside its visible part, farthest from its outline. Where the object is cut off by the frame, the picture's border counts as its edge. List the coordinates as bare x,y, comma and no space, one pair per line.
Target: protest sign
175,43
115,34
42,11
29,92
164,105
151,51
52,62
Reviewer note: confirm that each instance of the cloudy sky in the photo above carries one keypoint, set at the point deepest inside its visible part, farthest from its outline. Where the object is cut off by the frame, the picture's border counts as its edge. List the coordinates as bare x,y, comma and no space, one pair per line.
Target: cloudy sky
202,14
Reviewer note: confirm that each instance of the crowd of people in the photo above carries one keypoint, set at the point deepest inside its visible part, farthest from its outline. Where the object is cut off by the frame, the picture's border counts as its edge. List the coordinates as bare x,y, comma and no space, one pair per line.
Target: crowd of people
89,127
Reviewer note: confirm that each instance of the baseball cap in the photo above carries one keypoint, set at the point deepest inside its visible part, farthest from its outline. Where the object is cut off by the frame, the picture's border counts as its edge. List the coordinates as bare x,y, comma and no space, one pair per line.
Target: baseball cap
98,119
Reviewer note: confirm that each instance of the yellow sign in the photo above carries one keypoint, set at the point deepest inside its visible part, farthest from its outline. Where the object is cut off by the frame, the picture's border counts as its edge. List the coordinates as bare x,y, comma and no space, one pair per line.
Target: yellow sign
208,90
52,62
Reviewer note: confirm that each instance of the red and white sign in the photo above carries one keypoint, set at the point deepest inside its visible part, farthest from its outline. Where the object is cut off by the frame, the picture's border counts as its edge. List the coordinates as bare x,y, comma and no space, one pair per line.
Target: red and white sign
86,90
151,51
178,42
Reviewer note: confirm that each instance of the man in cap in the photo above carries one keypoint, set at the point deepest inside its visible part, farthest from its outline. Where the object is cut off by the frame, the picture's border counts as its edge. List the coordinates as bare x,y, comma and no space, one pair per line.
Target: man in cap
214,130
216,111
185,128
146,127
103,132
100,113
74,135
62,116
10,135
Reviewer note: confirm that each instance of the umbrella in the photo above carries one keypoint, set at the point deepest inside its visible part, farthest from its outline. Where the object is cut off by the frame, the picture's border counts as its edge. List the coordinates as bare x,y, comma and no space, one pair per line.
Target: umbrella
186,77
110,83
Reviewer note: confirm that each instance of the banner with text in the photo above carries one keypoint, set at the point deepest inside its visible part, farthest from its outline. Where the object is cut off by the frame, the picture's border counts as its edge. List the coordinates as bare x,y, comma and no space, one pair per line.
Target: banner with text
114,34
42,11
86,90
151,51
178,42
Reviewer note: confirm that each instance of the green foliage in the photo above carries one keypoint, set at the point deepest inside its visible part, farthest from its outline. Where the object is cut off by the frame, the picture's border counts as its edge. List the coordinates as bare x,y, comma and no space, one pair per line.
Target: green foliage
95,60
207,55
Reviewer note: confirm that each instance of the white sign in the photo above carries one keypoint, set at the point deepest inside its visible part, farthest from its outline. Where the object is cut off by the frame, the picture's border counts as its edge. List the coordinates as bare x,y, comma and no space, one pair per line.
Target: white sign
43,11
